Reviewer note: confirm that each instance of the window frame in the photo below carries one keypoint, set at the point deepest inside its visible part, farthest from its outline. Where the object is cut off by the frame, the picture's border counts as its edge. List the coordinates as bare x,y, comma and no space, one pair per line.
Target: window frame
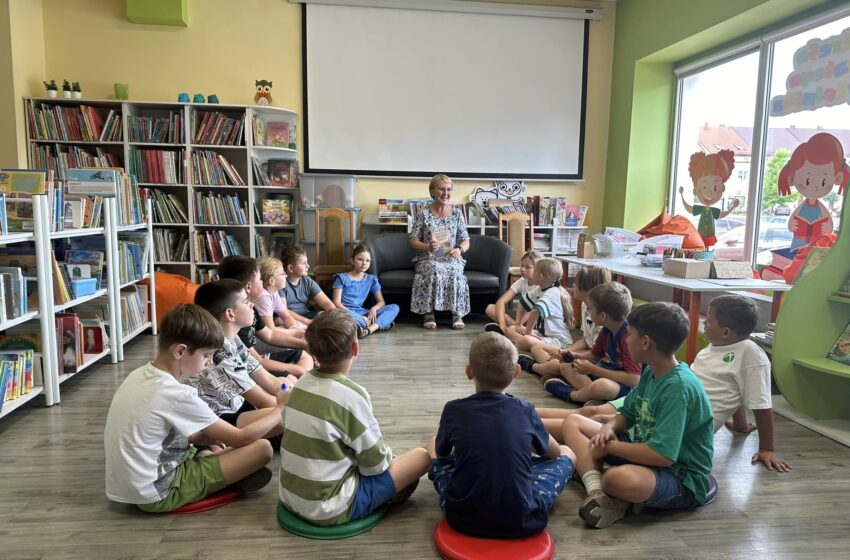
764,45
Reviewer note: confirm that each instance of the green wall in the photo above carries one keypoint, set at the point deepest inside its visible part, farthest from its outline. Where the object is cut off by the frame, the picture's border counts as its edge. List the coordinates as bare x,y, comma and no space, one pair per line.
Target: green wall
649,37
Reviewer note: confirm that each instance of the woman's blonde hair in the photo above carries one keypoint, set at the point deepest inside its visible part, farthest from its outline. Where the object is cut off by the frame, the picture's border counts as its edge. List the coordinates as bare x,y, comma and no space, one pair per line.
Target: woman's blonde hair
436,180
268,267
551,272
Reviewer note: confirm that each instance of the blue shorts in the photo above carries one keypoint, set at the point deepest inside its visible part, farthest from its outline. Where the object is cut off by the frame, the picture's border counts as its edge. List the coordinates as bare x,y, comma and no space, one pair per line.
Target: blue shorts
550,476
669,491
624,389
372,493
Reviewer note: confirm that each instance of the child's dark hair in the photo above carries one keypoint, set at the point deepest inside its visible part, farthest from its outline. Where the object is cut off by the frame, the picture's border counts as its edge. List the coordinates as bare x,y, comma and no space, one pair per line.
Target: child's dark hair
331,336
360,249
219,296
735,312
289,255
492,358
191,325
665,323
611,298
588,277
238,267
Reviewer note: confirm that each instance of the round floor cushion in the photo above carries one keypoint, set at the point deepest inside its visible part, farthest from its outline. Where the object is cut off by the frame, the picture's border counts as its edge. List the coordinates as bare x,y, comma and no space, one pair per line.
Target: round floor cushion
299,526
212,501
711,495
453,545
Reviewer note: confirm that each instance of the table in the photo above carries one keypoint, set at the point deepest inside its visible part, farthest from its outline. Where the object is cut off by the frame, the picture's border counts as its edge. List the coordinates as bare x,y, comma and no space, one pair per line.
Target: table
686,291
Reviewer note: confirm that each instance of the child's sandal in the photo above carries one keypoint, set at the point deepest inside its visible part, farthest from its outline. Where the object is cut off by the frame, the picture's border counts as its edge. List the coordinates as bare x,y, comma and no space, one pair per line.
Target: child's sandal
363,332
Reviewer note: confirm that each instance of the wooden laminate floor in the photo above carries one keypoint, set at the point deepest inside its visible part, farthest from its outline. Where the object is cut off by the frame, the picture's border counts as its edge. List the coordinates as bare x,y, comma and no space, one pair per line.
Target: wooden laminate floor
52,503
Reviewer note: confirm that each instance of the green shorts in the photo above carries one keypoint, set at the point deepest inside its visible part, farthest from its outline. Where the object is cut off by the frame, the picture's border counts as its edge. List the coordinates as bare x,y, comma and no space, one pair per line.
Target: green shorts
197,478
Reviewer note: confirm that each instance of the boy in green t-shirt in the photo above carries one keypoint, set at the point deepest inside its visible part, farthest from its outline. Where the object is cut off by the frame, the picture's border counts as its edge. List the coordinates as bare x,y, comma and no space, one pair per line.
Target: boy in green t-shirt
666,465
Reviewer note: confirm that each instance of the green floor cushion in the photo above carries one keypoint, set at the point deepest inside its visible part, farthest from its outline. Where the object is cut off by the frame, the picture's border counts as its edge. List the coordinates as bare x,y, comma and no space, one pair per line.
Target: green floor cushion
303,528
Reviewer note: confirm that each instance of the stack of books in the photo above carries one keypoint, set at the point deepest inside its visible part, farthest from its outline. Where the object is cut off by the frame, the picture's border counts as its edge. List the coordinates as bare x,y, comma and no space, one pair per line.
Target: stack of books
220,209
170,245
210,168
392,211
211,246
54,158
157,166
163,130
217,129
167,208
780,259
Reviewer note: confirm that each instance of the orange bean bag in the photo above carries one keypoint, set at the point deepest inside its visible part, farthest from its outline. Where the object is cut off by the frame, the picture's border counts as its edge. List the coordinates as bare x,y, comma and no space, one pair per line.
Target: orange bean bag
665,224
171,291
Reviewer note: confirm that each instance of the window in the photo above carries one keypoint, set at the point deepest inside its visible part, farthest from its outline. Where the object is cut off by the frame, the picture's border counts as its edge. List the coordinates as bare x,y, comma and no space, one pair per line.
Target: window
808,94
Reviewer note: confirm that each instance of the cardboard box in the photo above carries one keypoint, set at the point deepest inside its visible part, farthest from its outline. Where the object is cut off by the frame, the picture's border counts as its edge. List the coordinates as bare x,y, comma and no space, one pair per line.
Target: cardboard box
731,269
687,268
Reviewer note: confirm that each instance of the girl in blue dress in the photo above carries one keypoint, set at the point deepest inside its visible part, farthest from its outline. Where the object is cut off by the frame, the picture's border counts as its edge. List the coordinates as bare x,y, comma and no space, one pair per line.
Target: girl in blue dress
350,290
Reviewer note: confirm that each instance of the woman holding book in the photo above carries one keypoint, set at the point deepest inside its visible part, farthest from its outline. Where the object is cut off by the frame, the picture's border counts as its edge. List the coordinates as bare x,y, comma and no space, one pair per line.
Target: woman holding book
439,236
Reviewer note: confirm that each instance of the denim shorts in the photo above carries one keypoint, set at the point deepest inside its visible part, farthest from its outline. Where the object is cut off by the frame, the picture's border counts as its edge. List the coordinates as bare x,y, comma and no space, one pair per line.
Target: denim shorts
550,476
669,491
624,389
372,493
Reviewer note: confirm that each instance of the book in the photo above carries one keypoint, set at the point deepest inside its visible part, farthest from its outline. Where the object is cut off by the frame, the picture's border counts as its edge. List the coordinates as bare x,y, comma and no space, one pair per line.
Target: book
276,211
93,337
93,260
277,134
813,260
841,349
93,182
25,181
782,258
809,231
443,237
19,214
280,172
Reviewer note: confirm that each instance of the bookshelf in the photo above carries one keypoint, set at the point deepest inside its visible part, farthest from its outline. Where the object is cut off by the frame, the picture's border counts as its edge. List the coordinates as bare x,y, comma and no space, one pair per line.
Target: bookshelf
178,152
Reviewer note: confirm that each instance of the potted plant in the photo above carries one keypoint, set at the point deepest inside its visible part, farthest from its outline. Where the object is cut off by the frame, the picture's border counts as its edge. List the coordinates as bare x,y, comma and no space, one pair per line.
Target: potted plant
66,89
76,91
51,88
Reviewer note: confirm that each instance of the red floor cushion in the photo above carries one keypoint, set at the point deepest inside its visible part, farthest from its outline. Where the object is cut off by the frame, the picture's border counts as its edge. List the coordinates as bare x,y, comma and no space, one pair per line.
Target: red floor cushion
453,545
213,501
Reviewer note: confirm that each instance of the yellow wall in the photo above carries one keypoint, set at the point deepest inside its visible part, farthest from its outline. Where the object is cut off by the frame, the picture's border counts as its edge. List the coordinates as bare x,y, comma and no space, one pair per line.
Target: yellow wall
229,44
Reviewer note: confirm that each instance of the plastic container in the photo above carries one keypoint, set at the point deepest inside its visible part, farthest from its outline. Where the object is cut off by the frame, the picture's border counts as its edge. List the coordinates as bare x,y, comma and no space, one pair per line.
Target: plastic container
83,287
327,191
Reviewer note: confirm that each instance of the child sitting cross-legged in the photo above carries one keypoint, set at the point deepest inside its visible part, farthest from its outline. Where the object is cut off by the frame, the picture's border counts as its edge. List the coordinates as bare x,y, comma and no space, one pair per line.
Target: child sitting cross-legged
350,290
154,420
587,278
496,311
735,373
496,469
667,461
334,464
299,289
234,383
607,371
270,306
550,315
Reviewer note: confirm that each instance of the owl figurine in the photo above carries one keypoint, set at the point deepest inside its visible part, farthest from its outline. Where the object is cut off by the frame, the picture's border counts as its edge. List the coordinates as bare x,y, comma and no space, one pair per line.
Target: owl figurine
264,92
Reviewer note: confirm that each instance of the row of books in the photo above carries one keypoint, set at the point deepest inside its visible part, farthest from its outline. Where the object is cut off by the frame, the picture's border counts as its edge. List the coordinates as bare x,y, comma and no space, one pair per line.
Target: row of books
275,134
166,130
133,254
82,211
277,210
167,207
211,168
392,211
213,245
134,307
156,166
220,209
217,129
59,158
275,173
13,293
21,294
76,337
204,275
20,371
170,245
110,182
82,123
555,211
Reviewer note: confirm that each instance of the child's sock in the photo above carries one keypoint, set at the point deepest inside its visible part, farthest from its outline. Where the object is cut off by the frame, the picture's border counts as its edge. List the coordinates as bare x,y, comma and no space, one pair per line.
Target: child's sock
592,480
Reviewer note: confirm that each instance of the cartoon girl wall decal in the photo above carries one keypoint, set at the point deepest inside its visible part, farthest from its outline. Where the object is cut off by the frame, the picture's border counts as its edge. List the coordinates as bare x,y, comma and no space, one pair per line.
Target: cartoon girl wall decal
709,173
814,169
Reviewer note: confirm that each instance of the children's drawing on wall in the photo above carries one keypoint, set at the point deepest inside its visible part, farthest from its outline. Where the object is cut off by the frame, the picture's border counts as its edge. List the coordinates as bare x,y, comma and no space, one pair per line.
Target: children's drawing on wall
709,173
814,169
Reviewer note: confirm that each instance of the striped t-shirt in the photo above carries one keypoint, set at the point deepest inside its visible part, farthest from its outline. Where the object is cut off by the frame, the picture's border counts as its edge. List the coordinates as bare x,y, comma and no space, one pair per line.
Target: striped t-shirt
331,440
551,314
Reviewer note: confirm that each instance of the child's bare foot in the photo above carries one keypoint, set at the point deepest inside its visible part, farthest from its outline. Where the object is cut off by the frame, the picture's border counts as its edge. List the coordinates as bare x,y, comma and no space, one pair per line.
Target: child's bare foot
734,428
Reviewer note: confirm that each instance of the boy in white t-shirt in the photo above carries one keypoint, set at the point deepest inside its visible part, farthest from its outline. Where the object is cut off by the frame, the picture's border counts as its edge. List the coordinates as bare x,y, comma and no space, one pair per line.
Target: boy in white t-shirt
735,373
496,311
154,420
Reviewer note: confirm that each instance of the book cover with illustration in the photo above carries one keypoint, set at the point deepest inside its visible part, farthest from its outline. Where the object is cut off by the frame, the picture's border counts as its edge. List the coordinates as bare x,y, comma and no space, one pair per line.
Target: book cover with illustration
95,182
277,134
24,181
444,238
280,173
92,259
277,211
841,349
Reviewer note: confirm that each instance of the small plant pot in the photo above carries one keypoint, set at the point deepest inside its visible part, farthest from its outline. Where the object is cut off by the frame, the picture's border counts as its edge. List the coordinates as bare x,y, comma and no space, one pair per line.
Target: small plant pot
66,94
76,95
51,93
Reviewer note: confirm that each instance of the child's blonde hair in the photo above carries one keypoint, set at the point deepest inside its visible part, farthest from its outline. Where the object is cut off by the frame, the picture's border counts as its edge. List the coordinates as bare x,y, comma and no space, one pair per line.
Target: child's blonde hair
589,277
492,358
268,267
551,271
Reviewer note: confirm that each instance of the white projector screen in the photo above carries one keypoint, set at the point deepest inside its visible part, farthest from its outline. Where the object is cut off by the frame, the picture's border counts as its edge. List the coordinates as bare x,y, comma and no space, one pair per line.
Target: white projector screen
400,92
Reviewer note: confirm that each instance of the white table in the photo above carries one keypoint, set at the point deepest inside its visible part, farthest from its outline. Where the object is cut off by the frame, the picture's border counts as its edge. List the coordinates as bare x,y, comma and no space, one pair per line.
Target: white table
686,291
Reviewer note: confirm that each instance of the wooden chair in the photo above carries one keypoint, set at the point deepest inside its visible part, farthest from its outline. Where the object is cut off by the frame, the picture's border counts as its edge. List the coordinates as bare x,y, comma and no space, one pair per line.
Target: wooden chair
333,259
513,224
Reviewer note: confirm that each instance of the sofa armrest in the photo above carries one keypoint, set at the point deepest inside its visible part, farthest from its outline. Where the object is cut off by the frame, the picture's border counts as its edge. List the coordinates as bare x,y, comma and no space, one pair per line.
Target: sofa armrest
489,254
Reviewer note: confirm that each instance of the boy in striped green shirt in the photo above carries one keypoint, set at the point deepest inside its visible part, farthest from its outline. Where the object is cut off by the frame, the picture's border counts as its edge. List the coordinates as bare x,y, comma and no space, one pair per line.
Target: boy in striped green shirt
334,464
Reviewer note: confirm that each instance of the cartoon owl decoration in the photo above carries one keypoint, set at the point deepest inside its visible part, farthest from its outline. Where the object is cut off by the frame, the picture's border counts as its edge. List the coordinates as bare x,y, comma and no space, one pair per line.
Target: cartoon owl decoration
264,92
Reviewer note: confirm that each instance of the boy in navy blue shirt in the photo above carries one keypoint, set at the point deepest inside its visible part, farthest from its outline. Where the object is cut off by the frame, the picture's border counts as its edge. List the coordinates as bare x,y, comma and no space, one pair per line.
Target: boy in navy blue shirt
482,466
